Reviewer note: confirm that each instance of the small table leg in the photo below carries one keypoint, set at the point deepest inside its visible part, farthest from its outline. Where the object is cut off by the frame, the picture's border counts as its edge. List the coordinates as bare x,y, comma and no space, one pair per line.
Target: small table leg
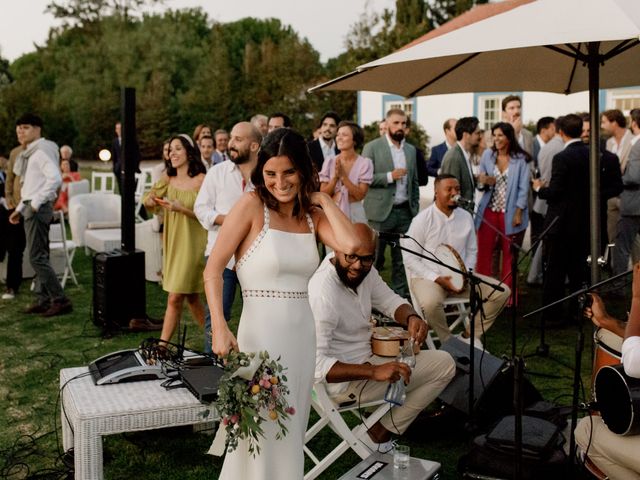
87,455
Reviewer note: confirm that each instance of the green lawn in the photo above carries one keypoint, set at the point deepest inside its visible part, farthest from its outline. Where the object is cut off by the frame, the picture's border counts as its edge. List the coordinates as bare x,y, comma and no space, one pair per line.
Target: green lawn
35,349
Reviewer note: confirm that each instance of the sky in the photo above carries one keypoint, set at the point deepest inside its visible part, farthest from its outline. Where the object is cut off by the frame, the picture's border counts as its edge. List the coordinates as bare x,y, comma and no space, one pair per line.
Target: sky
324,23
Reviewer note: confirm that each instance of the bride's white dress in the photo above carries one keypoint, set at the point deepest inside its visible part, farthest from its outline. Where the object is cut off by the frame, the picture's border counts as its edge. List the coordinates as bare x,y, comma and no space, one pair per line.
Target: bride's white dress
273,274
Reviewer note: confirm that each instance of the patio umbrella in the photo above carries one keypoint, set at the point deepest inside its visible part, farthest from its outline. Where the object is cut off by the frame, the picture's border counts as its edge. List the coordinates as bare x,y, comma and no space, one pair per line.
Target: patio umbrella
560,46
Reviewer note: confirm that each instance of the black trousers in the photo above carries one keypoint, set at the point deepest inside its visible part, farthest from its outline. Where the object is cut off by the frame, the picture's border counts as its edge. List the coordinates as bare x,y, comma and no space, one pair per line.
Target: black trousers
564,255
15,245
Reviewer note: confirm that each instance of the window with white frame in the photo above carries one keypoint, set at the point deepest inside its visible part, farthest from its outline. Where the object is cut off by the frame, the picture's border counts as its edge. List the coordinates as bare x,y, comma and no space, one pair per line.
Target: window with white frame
405,105
489,110
624,99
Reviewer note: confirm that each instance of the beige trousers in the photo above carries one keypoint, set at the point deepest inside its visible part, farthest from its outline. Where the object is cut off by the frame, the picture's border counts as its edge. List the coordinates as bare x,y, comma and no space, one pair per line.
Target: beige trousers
433,371
430,296
615,455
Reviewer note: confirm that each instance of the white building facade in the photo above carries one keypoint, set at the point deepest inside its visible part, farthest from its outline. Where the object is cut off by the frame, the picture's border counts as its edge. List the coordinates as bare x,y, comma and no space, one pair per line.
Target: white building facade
431,111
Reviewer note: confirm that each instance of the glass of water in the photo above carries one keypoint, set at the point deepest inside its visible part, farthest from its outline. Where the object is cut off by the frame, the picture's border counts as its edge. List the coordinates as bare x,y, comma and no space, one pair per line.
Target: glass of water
401,457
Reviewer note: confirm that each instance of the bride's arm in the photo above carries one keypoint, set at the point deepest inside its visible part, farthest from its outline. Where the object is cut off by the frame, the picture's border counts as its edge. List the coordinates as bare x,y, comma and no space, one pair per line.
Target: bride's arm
333,227
236,227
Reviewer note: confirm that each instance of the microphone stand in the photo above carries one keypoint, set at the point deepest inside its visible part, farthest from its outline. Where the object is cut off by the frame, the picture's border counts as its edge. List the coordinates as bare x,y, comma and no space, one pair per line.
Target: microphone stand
578,351
474,303
516,361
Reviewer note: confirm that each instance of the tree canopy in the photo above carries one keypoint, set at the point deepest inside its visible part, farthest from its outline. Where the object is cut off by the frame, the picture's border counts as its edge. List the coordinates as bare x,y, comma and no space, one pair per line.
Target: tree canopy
187,69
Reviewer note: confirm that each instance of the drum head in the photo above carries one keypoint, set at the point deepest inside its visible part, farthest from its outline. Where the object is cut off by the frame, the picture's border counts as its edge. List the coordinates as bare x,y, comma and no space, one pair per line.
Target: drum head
614,401
447,255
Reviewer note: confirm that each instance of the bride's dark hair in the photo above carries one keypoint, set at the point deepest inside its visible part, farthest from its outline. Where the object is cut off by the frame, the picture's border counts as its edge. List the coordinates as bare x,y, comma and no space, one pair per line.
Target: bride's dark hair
286,142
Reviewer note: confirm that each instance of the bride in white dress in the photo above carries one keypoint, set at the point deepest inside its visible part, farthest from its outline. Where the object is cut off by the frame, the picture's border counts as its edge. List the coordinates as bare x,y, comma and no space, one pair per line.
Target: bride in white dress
273,233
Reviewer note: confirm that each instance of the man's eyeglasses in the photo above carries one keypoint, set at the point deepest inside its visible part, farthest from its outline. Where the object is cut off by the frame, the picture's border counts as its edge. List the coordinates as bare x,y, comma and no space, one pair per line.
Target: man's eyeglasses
365,260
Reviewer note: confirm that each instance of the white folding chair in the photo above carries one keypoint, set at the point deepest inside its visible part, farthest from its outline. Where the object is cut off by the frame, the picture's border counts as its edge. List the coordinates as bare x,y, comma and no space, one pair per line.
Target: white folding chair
103,182
331,416
144,183
456,310
58,243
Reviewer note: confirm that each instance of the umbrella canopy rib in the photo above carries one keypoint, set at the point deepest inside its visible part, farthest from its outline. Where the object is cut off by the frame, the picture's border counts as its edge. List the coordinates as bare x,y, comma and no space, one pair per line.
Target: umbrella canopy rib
445,73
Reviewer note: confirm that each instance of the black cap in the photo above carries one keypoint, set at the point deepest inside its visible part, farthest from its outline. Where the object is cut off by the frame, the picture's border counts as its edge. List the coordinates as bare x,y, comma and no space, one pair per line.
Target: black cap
29,119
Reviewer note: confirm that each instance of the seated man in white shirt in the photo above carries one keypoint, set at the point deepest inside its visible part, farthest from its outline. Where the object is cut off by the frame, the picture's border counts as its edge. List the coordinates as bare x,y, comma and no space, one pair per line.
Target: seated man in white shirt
342,293
443,223
616,455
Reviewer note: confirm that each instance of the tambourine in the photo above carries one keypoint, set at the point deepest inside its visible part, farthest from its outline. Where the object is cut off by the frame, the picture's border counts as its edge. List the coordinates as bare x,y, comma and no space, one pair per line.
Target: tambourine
449,256
387,341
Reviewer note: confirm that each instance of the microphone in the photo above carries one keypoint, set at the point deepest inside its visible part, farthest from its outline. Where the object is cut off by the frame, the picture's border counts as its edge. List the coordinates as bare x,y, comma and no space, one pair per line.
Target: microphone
391,235
463,202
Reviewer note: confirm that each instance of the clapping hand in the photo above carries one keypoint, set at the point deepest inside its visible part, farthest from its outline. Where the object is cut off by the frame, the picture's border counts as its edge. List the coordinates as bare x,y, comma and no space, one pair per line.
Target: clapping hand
339,172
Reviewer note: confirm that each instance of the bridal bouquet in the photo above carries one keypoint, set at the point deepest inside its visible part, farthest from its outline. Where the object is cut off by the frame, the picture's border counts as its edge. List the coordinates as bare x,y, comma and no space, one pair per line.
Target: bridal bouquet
252,390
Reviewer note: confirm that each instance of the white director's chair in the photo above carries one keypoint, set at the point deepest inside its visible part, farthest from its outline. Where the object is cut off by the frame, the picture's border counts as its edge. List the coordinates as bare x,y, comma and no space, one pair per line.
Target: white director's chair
331,416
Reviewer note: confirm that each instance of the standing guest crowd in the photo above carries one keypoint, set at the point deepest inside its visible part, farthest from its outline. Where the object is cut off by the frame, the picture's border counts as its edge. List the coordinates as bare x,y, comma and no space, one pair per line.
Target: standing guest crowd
248,207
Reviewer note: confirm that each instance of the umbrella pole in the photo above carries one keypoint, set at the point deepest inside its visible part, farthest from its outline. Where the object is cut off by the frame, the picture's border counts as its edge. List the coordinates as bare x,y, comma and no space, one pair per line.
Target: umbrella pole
594,157
594,218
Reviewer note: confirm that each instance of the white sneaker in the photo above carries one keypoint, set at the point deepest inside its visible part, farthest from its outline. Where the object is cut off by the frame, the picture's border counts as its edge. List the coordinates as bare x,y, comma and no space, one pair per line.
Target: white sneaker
8,295
385,447
476,341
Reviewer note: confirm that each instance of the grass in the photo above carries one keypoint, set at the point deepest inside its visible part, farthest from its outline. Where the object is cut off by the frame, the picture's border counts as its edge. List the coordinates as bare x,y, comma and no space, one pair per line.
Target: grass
34,349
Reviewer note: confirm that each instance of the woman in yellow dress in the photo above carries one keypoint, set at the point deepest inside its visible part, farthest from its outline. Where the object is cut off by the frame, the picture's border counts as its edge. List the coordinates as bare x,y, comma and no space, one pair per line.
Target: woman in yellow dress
184,238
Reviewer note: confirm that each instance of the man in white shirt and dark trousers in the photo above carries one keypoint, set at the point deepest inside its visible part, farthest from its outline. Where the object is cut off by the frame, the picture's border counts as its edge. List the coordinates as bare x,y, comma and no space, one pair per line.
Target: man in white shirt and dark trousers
342,293
443,223
37,167
223,186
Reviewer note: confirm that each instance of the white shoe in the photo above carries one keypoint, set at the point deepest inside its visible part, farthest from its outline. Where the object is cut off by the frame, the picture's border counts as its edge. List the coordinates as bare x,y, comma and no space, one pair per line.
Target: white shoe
8,295
385,447
476,341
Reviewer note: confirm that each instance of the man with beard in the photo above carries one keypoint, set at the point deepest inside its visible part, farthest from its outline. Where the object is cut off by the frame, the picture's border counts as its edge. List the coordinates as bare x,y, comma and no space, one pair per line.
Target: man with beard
324,147
342,293
457,160
393,198
443,223
223,186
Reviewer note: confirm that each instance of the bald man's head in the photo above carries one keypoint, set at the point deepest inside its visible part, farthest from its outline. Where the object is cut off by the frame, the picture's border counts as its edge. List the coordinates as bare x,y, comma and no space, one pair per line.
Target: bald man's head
353,269
244,143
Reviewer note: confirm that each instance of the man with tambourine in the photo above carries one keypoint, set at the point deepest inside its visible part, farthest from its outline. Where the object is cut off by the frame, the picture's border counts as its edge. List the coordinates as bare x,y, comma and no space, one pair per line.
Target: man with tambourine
448,234
616,455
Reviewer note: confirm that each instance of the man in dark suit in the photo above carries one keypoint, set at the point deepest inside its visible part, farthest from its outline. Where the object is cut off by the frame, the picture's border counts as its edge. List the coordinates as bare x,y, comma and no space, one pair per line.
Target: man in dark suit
457,161
610,178
421,163
324,147
629,221
393,198
567,245
438,152
116,156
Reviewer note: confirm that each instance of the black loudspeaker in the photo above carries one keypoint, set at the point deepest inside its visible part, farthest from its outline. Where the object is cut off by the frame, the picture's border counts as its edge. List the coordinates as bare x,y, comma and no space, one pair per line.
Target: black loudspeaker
493,384
119,290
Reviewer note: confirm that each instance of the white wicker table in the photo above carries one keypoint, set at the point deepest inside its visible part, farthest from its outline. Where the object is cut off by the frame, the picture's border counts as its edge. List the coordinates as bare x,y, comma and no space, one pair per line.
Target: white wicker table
90,411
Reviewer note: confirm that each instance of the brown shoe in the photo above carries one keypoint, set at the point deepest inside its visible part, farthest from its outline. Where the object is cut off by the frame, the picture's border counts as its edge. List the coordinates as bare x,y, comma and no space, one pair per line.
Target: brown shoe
37,307
143,325
58,307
